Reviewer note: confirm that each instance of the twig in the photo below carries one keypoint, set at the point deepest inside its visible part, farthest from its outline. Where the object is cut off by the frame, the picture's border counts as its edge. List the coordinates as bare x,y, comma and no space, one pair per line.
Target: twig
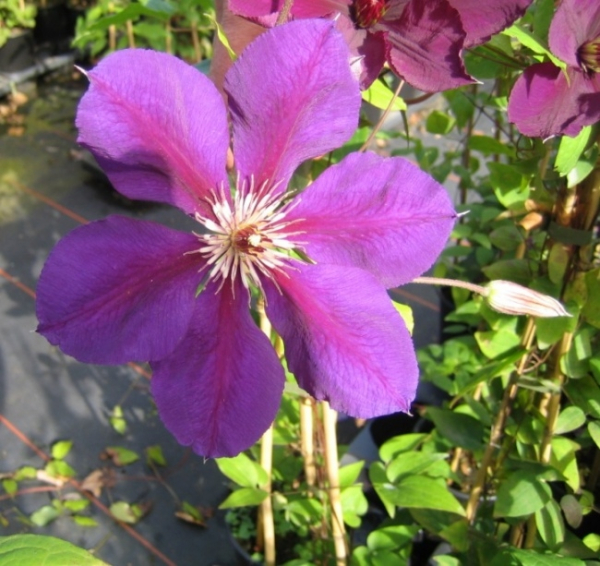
383,117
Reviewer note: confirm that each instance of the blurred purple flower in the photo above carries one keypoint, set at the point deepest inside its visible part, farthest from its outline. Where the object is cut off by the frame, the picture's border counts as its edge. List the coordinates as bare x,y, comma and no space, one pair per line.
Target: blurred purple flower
122,289
546,101
421,40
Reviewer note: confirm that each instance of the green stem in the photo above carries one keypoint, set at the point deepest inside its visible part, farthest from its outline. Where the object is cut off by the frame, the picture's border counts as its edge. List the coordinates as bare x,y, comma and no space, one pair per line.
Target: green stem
479,289
377,126
498,427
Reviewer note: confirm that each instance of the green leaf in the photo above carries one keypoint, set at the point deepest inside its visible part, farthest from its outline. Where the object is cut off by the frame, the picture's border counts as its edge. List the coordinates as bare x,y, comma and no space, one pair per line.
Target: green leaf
591,308
245,496
25,473
570,419
558,261
160,6
507,238
489,146
422,492
398,444
439,122
38,550
575,363
380,95
594,430
406,312
510,187
43,516
131,12
462,430
305,511
76,505
349,474
445,560
548,331
10,486
564,460
550,525
61,449
154,455
570,150
529,40
516,270
533,558
117,421
583,168
59,469
122,456
392,537
378,479
354,505
592,541
572,510
412,463
243,470
223,38
584,393
126,513
495,343
521,494
83,521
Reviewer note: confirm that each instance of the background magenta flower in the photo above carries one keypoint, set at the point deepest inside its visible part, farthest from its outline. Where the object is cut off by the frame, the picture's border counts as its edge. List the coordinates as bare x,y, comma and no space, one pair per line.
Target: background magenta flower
421,40
546,101
122,289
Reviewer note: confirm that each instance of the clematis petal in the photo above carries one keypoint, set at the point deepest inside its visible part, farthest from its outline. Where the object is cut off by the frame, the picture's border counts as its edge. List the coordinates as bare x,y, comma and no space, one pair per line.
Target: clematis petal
292,97
142,120
118,290
543,104
574,23
380,214
367,50
481,20
220,389
344,341
300,8
424,45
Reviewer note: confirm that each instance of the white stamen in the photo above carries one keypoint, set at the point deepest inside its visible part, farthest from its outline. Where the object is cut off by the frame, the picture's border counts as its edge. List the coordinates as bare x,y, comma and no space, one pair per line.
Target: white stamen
248,235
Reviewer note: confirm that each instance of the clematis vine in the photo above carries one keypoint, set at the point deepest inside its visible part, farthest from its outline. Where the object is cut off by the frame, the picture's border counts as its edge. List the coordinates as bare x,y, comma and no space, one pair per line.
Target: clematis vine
547,101
122,289
421,41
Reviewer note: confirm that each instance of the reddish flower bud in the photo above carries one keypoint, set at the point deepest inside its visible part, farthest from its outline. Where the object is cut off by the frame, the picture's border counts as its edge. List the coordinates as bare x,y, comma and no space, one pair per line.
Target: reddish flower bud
511,298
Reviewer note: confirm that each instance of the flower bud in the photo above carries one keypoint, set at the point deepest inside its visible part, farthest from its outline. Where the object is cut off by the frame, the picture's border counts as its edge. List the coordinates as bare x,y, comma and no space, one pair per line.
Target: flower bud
511,298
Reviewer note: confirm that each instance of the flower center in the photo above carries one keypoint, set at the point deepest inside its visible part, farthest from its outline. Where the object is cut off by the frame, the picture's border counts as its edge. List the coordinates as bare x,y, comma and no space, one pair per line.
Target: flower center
589,56
249,235
367,13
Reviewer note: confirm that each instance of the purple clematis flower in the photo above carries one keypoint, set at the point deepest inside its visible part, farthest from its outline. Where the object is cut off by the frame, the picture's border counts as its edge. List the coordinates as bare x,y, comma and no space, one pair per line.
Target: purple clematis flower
546,101
421,40
121,289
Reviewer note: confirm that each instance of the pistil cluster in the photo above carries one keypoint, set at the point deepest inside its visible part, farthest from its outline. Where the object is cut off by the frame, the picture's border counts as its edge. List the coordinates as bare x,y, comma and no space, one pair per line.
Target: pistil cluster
589,56
367,13
249,234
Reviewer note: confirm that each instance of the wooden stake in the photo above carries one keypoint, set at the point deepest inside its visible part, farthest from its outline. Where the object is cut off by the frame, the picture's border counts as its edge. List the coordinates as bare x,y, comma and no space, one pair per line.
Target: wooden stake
331,463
